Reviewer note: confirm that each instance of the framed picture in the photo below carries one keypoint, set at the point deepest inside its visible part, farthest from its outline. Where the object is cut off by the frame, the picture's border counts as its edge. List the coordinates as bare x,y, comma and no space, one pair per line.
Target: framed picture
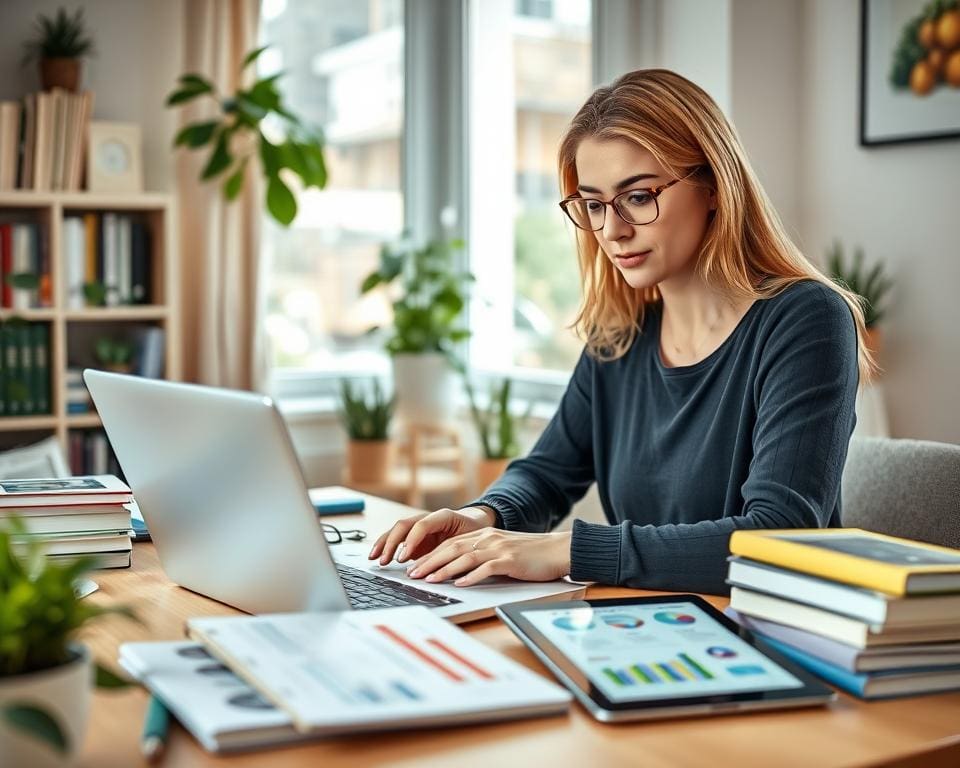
114,158
909,71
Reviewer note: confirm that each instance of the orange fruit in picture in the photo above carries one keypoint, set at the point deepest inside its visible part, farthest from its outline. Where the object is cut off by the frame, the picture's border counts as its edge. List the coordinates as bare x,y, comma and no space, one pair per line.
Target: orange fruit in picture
935,59
951,70
927,34
922,78
948,30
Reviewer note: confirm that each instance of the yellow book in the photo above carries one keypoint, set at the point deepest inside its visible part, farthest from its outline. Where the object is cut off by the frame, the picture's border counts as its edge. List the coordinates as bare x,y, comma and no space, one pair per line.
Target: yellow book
92,247
853,556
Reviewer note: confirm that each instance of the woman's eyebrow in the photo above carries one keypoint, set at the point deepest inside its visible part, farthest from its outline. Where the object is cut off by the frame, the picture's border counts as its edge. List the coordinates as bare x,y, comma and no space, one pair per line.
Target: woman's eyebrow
620,184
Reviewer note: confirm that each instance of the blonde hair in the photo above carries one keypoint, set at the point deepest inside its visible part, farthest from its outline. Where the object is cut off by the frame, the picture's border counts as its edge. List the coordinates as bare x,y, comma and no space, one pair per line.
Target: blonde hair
745,252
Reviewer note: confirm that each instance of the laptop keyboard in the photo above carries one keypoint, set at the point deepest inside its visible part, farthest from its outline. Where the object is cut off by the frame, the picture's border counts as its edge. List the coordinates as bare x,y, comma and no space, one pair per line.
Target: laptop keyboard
367,590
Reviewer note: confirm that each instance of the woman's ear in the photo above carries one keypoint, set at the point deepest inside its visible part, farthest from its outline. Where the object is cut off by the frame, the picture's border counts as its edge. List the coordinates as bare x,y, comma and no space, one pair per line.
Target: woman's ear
712,199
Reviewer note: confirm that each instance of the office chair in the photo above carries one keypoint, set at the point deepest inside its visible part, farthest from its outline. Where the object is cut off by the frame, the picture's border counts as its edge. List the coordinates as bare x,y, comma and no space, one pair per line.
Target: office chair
906,488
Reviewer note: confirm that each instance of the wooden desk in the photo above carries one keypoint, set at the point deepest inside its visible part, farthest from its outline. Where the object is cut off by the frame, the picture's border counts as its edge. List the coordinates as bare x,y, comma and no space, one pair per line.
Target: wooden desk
849,732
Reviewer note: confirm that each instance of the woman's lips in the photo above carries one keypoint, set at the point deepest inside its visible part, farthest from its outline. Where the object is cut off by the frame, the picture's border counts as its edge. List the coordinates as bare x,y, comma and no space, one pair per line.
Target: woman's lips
628,260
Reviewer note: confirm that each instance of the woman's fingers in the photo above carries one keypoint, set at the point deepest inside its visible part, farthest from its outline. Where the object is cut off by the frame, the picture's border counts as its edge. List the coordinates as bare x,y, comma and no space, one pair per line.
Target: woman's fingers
417,534
394,537
447,552
492,567
460,565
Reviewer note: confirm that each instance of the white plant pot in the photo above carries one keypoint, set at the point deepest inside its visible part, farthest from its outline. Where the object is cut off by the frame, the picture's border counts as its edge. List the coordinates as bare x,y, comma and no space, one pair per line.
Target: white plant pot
64,693
426,389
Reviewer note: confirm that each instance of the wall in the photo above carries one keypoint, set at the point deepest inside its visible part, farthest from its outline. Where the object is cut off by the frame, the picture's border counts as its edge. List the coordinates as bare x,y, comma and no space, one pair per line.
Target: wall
901,204
139,55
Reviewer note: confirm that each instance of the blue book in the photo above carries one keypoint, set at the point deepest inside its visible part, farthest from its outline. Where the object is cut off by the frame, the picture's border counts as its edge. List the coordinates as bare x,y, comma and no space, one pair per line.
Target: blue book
874,685
336,501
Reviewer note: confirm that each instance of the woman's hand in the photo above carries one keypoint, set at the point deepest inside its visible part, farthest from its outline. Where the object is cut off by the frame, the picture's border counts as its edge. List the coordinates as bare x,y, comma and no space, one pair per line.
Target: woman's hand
481,554
419,534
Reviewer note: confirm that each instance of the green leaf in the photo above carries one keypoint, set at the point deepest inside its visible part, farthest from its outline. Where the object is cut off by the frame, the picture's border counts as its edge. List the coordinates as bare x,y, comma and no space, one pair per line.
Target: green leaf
249,111
191,80
95,294
234,184
107,679
280,201
220,159
253,56
270,157
23,280
38,724
370,282
264,93
196,134
187,94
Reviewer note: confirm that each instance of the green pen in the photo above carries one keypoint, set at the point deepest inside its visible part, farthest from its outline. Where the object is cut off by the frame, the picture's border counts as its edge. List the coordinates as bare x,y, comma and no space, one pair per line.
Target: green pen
155,727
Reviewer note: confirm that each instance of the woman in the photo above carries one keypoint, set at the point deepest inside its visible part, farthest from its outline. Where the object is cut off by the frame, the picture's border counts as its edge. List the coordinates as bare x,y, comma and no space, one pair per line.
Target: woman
716,388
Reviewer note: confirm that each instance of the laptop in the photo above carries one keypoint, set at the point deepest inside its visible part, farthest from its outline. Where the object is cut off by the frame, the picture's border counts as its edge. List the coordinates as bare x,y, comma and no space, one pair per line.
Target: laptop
222,492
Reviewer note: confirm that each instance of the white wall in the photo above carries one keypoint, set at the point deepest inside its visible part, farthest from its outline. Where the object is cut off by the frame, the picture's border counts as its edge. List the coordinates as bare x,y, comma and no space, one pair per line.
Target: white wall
139,57
902,204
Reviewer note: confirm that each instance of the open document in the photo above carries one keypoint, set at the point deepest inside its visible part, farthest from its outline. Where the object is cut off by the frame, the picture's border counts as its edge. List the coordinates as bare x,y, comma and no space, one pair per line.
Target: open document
379,669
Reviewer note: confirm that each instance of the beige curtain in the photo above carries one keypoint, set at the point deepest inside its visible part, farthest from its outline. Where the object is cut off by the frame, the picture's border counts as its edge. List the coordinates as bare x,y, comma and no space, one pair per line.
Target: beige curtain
223,328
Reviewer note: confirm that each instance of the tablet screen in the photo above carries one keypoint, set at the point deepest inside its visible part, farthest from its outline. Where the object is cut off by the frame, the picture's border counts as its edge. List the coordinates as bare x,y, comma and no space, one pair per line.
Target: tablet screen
656,651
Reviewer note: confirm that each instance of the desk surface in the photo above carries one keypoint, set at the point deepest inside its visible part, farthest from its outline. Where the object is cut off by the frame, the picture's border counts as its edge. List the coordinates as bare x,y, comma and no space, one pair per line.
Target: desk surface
849,732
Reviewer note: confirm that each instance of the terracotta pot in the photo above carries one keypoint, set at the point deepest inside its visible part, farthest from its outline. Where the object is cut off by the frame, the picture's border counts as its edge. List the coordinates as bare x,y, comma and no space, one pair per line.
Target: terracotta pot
63,692
60,72
489,470
873,340
368,461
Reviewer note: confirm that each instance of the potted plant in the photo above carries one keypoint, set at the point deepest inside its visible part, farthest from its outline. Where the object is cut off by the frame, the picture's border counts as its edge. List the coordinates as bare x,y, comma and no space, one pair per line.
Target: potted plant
237,137
870,285
114,354
497,428
428,298
367,422
59,44
45,677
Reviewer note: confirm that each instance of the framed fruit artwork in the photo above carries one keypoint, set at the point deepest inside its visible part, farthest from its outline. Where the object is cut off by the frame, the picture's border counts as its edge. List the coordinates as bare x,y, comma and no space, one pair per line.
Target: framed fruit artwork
909,71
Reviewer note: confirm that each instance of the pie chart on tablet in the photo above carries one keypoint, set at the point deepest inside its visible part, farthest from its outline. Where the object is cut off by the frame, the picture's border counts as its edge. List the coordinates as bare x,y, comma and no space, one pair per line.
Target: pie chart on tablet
672,617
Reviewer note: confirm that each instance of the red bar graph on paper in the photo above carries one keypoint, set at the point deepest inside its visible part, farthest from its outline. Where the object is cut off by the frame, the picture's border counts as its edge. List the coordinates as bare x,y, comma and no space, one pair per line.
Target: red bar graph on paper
466,662
422,655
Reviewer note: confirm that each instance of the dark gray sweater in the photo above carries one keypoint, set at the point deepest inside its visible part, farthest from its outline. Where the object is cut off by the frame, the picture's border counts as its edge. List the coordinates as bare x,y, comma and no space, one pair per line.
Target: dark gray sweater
754,436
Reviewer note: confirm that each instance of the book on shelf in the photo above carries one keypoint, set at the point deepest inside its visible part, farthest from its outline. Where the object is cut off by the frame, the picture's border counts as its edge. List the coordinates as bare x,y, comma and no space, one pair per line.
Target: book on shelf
849,657
23,251
381,669
10,115
875,685
219,709
861,558
857,602
63,491
854,632
25,373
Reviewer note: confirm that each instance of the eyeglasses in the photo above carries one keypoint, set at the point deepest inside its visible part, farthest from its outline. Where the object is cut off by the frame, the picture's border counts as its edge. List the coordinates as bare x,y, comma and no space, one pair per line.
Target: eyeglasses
335,535
635,206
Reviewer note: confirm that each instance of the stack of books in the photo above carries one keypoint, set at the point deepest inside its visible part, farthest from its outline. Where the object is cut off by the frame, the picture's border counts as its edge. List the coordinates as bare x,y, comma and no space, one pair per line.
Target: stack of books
72,517
875,615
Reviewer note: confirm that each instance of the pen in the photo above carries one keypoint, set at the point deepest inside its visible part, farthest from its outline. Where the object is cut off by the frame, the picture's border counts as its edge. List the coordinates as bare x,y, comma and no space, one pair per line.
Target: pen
155,726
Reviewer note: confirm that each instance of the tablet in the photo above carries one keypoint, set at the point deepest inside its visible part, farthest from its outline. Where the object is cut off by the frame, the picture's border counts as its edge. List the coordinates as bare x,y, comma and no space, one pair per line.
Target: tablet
655,657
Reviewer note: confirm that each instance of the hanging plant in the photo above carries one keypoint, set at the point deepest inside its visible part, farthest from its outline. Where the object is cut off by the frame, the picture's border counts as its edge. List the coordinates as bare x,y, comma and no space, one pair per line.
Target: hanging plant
237,135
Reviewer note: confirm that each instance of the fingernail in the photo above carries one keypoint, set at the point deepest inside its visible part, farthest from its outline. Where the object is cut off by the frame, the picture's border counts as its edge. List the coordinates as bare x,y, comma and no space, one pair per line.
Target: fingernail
431,577
414,574
459,582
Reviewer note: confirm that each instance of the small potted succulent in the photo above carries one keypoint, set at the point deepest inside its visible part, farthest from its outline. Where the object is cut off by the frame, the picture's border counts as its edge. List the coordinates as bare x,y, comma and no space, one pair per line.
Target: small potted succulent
871,285
369,448
114,354
59,44
45,676
497,428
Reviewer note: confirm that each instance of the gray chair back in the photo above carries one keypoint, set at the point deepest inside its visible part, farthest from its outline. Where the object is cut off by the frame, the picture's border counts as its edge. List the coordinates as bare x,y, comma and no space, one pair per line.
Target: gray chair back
906,488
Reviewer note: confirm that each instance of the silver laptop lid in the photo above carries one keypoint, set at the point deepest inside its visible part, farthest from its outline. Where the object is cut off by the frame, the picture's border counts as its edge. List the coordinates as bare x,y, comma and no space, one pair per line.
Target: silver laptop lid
222,492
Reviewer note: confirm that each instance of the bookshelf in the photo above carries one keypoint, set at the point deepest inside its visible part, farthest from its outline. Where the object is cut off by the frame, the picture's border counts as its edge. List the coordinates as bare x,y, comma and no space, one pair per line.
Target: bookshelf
71,329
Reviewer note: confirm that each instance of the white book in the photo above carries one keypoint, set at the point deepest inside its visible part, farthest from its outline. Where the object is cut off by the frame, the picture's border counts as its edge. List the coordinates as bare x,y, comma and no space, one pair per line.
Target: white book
221,711
828,624
63,491
116,520
78,545
74,250
856,602
111,256
59,136
22,241
104,559
383,669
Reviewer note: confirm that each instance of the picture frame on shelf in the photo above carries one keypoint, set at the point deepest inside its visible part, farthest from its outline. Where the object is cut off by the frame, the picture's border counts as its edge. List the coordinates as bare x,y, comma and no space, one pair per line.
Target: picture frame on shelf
909,72
114,158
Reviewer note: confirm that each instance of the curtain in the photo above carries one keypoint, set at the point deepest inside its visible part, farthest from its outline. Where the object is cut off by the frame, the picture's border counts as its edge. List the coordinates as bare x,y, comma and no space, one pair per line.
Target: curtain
222,315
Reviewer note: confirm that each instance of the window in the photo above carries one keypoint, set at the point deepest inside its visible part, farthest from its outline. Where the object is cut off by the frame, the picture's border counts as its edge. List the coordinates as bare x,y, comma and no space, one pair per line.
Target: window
522,251
332,52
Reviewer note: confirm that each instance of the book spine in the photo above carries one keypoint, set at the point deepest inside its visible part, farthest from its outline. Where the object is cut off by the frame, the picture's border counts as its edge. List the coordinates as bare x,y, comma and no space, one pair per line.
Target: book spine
25,352
41,363
12,391
818,561
6,262
139,263
110,259
124,259
848,681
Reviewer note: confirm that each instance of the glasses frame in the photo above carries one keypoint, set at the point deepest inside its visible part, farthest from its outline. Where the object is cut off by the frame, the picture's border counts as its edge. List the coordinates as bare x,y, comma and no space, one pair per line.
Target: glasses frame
655,191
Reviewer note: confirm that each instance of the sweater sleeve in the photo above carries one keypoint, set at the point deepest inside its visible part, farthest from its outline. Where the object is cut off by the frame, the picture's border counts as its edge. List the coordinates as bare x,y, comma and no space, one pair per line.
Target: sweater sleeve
536,492
804,392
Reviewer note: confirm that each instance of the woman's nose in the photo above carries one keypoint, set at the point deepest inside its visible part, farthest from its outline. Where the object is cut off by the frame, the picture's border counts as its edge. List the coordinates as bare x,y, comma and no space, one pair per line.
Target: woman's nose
615,228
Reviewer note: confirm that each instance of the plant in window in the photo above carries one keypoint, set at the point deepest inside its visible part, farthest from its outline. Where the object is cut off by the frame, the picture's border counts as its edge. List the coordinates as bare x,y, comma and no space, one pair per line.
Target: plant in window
40,616
497,428
428,293
237,136
871,285
367,422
